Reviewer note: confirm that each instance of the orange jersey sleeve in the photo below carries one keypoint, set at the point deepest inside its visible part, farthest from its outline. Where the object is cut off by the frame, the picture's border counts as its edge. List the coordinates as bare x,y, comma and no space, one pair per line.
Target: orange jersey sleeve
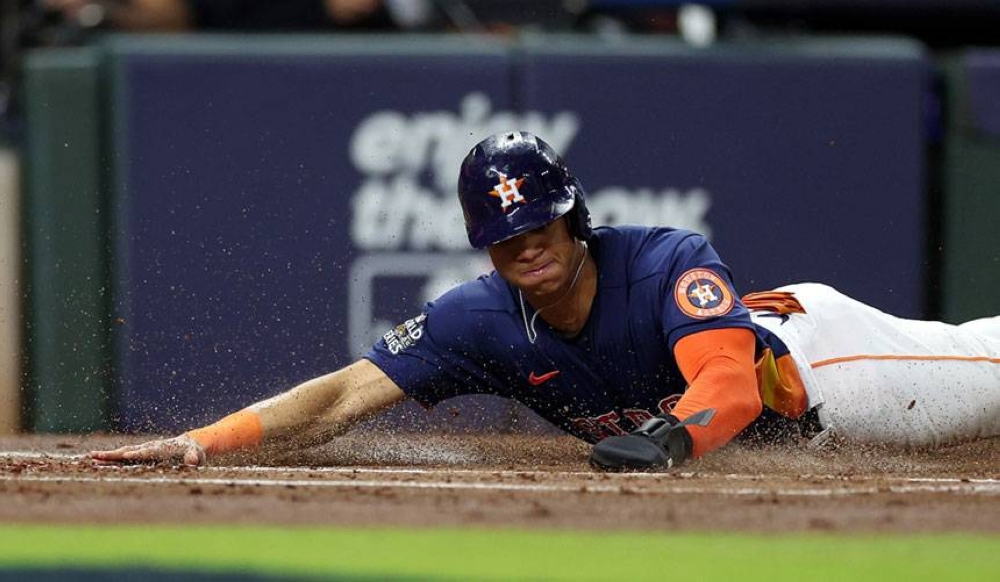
718,365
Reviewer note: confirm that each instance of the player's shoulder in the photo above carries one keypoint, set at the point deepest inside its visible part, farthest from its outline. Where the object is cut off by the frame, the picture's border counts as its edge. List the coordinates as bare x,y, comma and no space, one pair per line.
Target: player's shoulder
636,239
646,250
486,293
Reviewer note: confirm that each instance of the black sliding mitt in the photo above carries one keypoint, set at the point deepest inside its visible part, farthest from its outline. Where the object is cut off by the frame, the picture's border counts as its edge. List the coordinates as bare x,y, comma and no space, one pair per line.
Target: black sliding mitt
661,442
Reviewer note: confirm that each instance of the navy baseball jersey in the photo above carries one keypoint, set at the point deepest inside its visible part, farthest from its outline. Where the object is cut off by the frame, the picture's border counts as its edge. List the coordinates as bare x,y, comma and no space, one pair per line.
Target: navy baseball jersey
655,286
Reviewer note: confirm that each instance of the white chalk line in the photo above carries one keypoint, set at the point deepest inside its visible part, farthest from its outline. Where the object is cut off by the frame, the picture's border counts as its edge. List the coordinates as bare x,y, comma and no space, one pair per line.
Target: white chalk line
962,488
42,456
953,482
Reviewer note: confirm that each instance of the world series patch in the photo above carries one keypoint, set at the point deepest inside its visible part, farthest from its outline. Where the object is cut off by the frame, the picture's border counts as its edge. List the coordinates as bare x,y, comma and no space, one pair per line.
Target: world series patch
405,334
700,293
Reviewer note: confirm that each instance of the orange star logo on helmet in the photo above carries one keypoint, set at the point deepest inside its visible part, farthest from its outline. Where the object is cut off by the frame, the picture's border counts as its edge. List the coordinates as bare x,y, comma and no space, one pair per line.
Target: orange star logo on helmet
508,191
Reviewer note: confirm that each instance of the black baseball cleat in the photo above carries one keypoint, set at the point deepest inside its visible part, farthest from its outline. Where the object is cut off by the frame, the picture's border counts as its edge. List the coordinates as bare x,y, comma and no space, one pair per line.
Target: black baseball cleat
629,453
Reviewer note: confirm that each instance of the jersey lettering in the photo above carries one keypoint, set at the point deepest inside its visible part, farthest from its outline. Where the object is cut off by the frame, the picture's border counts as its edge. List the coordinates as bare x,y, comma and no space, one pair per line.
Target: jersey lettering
637,416
609,421
667,405
608,424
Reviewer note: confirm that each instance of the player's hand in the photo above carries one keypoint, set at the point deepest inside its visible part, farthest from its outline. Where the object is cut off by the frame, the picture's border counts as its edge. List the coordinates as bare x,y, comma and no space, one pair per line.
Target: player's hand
660,443
177,450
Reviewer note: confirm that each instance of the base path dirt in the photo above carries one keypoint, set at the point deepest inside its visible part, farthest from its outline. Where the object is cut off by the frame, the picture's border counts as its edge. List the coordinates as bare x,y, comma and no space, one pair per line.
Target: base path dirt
512,481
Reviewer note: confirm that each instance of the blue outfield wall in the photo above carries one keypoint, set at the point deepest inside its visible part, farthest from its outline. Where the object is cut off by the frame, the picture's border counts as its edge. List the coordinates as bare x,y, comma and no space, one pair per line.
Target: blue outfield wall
281,203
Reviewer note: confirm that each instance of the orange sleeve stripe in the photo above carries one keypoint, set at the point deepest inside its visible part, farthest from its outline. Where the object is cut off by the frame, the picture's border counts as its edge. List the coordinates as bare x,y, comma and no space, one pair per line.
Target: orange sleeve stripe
240,430
719,367
863,357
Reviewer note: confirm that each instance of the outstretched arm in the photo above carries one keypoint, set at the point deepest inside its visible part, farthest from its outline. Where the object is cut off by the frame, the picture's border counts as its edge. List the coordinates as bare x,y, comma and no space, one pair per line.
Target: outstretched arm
719,367
309,414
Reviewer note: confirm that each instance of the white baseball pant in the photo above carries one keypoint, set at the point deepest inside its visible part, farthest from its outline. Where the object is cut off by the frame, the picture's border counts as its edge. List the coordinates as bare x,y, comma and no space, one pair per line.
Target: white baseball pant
877,378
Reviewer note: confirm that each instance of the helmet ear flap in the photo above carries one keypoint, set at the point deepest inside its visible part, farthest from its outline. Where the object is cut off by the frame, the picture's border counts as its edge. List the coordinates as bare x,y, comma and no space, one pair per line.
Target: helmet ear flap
578,219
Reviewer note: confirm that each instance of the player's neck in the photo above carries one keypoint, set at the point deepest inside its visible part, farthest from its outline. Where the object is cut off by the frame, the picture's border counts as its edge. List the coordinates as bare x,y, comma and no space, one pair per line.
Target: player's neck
569,311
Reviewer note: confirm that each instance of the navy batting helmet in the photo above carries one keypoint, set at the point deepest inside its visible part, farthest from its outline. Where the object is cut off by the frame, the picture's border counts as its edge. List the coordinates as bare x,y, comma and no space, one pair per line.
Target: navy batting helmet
514,182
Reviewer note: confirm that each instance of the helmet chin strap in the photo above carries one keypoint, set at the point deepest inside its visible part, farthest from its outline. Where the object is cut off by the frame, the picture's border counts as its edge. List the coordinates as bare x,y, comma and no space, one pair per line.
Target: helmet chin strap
529,326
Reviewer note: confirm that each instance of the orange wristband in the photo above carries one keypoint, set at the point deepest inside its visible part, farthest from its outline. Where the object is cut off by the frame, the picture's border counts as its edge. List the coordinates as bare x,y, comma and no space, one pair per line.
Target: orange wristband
240,430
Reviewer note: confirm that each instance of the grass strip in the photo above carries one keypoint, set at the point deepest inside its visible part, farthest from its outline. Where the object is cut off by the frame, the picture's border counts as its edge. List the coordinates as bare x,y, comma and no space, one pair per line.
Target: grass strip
463,554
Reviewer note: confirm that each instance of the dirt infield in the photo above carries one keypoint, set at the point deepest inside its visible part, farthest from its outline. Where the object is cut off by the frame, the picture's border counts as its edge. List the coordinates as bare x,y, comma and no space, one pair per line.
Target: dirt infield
512,481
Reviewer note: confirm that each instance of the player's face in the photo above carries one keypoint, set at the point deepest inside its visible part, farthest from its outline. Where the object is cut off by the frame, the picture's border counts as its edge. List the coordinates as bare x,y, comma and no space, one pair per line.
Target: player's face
540,262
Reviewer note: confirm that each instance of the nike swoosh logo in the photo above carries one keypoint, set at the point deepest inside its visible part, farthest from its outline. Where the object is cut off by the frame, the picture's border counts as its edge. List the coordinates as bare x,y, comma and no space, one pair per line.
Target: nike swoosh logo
783,316
538,380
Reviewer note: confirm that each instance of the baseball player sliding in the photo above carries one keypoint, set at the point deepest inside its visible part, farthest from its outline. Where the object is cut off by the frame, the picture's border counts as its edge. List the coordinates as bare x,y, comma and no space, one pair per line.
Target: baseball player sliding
633,339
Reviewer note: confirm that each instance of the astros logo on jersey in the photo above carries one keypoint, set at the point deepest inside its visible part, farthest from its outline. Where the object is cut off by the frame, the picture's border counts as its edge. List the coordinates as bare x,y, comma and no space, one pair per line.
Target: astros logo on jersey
701,293
508,191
